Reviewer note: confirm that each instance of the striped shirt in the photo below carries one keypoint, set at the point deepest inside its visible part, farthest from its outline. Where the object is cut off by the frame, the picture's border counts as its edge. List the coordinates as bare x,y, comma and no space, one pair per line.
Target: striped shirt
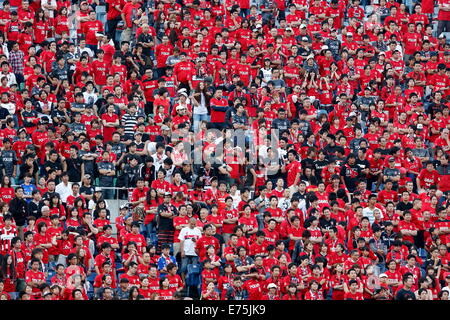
130,123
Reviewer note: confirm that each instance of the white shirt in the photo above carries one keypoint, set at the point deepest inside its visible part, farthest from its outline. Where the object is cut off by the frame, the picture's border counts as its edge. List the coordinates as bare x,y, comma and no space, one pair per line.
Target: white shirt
186,234
367,212
158,160
10,107
63,190
236,199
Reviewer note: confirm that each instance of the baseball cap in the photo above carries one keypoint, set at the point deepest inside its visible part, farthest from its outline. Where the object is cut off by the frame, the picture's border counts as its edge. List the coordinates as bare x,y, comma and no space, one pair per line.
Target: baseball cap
98,189
272,285
383,275
180,107
124,206
258,25
441,36
165,127
302,26
305,39
349,34
419,126
167,194
391,159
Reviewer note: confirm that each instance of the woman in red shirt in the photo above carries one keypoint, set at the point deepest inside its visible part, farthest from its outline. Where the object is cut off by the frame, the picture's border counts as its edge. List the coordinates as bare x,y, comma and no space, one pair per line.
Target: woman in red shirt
210,293
314,293
73,221
337,282
8,274
225,280
40,26
56,207
110,122
61,22
43,240
165,293
6,191
292,293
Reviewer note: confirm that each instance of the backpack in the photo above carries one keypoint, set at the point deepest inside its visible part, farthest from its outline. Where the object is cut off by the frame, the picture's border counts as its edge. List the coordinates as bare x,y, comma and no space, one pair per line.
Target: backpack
193,275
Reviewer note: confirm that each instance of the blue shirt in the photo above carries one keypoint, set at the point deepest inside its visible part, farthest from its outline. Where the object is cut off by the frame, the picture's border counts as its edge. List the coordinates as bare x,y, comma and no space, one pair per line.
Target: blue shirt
28,190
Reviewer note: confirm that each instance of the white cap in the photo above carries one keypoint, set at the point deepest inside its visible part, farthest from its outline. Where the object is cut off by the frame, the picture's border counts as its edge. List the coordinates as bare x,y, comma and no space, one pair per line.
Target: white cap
272,285
420,126
441,36
349,34
180,107
383,275
305,39
325,47
302,26
45,208
258,25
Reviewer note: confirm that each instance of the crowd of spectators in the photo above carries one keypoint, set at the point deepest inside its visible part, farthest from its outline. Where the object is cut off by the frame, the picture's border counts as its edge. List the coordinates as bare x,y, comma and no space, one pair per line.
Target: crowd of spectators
267,150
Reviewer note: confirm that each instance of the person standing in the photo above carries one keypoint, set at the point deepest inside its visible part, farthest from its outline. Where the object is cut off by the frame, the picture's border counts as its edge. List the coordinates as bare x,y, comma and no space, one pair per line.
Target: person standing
18,208
443,16
16,59
188,238
165,214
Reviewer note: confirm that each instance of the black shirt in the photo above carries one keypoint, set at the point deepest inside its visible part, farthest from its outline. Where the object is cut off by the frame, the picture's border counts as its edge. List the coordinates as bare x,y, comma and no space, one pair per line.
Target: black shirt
404,206
74,169
166,224
404,294
351,174
319,165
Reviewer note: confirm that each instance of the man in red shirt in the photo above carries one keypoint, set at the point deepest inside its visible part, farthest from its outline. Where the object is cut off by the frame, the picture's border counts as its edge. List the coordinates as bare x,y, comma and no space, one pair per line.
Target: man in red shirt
427,178
90,29
205,241
35,278
184,71
139,193
131,274
13,28
407,228
387,194
443,16
136,237
219,106
128,11
162,52
100,69
113,17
